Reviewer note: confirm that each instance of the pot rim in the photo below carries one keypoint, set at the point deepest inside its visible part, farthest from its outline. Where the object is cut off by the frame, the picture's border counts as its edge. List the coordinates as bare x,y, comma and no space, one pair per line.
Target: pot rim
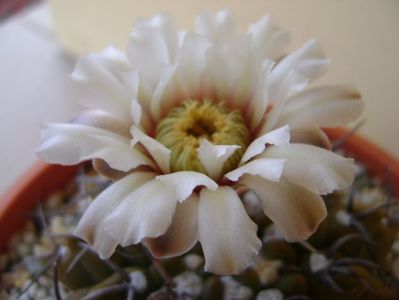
379,163
35,185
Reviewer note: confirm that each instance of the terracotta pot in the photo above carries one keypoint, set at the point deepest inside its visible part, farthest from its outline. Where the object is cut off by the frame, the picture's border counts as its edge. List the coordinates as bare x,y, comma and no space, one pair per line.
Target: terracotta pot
36,184
42,179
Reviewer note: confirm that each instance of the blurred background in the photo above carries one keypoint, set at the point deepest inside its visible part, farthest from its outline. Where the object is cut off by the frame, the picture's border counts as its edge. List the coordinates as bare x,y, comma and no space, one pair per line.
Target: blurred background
40,40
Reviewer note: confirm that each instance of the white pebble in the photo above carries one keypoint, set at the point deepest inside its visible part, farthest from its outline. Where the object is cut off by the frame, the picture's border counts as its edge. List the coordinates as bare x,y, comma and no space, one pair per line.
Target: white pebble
267,270
57,225
270,294
54,201
39,250
370,197
252,203
138,280
188,283
343,218
318,262
40,293
193,261
44,281
234,290
272,232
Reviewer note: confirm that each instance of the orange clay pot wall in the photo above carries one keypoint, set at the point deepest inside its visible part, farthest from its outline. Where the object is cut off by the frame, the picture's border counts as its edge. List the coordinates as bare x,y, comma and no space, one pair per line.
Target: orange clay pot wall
35,185
41,180
379,163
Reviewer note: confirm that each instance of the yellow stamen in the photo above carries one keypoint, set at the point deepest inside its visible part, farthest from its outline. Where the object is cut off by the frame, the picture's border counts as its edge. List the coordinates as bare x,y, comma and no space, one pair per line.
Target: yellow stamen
183,129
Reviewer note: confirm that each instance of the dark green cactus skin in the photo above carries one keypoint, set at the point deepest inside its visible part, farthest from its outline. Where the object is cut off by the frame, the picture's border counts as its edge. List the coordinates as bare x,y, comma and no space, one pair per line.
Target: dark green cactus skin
278,249
88,271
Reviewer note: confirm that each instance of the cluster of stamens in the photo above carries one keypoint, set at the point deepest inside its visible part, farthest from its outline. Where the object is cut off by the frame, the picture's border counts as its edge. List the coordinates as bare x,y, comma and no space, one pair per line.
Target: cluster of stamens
184,128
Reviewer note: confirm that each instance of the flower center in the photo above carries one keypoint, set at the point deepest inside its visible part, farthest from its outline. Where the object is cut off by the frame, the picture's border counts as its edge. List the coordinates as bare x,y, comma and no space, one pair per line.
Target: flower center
183,129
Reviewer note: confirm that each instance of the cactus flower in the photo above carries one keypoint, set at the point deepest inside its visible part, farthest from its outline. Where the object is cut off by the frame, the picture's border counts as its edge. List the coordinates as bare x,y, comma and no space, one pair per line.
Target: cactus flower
184,121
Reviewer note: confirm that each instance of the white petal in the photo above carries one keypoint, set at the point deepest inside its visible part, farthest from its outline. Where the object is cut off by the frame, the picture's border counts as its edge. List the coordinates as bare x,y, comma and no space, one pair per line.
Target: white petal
160,101
311,136
294,210
231,67
104,120
105,170
260,100
231,72
114,60
191,62
69,144
152,45
98,85
139,100
147,212
213,156
165,23
227,234
324,106
309,61
245,72
318,170
218,72
91,227
269,40
217,27
182,234
131,82
136,111
267,168
159,152
291,84
280,136
181,184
